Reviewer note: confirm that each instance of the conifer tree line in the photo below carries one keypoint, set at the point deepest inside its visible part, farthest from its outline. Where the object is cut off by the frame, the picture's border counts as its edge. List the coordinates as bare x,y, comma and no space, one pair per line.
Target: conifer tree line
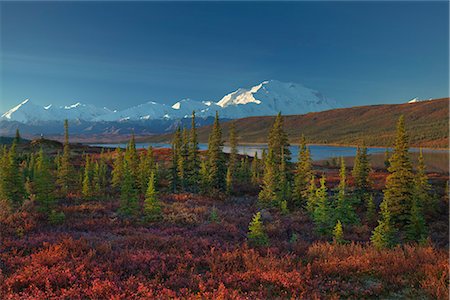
283,185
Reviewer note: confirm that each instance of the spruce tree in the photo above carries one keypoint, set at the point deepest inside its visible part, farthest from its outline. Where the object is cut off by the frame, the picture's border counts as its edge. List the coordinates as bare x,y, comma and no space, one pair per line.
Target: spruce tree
193,157
338,233
256,234
132,158
17,138
233,159
400,182
44,183
229,181
13,183
344,210
204,177
383,236
311,198
152,207
65,172
255,169
216,163
175,155
361,171
267,196
128,193
416,229
278,140
117,172
386,158
88,189
371,212
183,161
321,215
146,166
284,186
422,187
303,175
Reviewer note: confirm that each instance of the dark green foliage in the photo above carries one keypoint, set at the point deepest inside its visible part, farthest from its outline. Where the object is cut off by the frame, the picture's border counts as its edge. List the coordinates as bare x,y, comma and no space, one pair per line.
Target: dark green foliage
383,236
371,213
152,207
302,176
422,188
214,215
176,149
65,172
267,196
44,184
416,228
311,198
128,194
117,172
400,182
338,233
255,170
193,168
216,162
256,235
132,158
56,217
386,158
344,210
12,182
183,161
278,141
361,171
88,189
322,211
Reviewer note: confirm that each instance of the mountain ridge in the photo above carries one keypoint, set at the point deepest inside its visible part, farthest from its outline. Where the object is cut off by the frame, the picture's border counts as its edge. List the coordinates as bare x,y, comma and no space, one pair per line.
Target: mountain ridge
266,98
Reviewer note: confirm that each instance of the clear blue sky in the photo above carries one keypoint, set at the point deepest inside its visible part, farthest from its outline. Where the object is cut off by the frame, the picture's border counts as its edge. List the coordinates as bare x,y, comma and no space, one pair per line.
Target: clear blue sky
119,54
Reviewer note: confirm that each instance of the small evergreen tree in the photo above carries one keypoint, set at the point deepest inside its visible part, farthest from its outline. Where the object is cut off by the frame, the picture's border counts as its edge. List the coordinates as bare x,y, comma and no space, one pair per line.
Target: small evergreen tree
416,229
400,182
183,161
17,138
383,236
344,210
229,181
204,177
303,175
255,169
152,207
371,212
321,215
256,234
44,184
88,189
267,196
361,171
311,200
193,157
128,193
338,233
13,187
132,158
386,158
65,170
422,188
117,172
216,162
176,149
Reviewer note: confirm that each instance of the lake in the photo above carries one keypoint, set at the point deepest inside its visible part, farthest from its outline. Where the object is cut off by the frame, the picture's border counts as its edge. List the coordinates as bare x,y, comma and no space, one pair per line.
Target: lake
318,152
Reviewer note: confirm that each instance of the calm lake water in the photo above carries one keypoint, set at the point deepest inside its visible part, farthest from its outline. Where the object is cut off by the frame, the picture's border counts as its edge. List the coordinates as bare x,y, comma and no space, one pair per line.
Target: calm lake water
318,152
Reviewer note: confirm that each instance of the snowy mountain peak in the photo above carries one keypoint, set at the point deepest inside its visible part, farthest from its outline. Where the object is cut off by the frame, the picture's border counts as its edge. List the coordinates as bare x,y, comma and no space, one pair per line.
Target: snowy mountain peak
264,99
73,105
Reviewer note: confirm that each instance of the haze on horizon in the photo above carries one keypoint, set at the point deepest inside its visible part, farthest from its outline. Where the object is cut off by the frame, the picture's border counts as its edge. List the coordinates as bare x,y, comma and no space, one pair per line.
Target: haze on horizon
120,54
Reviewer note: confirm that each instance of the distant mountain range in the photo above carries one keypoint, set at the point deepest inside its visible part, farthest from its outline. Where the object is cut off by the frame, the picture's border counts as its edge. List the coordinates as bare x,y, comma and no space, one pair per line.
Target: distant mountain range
265,99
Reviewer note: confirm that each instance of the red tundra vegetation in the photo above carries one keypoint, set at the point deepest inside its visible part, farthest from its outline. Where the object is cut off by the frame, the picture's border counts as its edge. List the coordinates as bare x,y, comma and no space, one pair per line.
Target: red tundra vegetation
97,255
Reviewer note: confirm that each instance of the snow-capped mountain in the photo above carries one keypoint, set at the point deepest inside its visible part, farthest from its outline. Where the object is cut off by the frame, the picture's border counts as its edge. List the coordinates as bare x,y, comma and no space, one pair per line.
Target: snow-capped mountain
265,99
28,112
147,111
270,97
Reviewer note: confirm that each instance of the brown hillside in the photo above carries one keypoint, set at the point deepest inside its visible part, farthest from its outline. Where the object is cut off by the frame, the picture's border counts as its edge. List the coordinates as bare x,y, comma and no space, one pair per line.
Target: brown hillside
426,121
